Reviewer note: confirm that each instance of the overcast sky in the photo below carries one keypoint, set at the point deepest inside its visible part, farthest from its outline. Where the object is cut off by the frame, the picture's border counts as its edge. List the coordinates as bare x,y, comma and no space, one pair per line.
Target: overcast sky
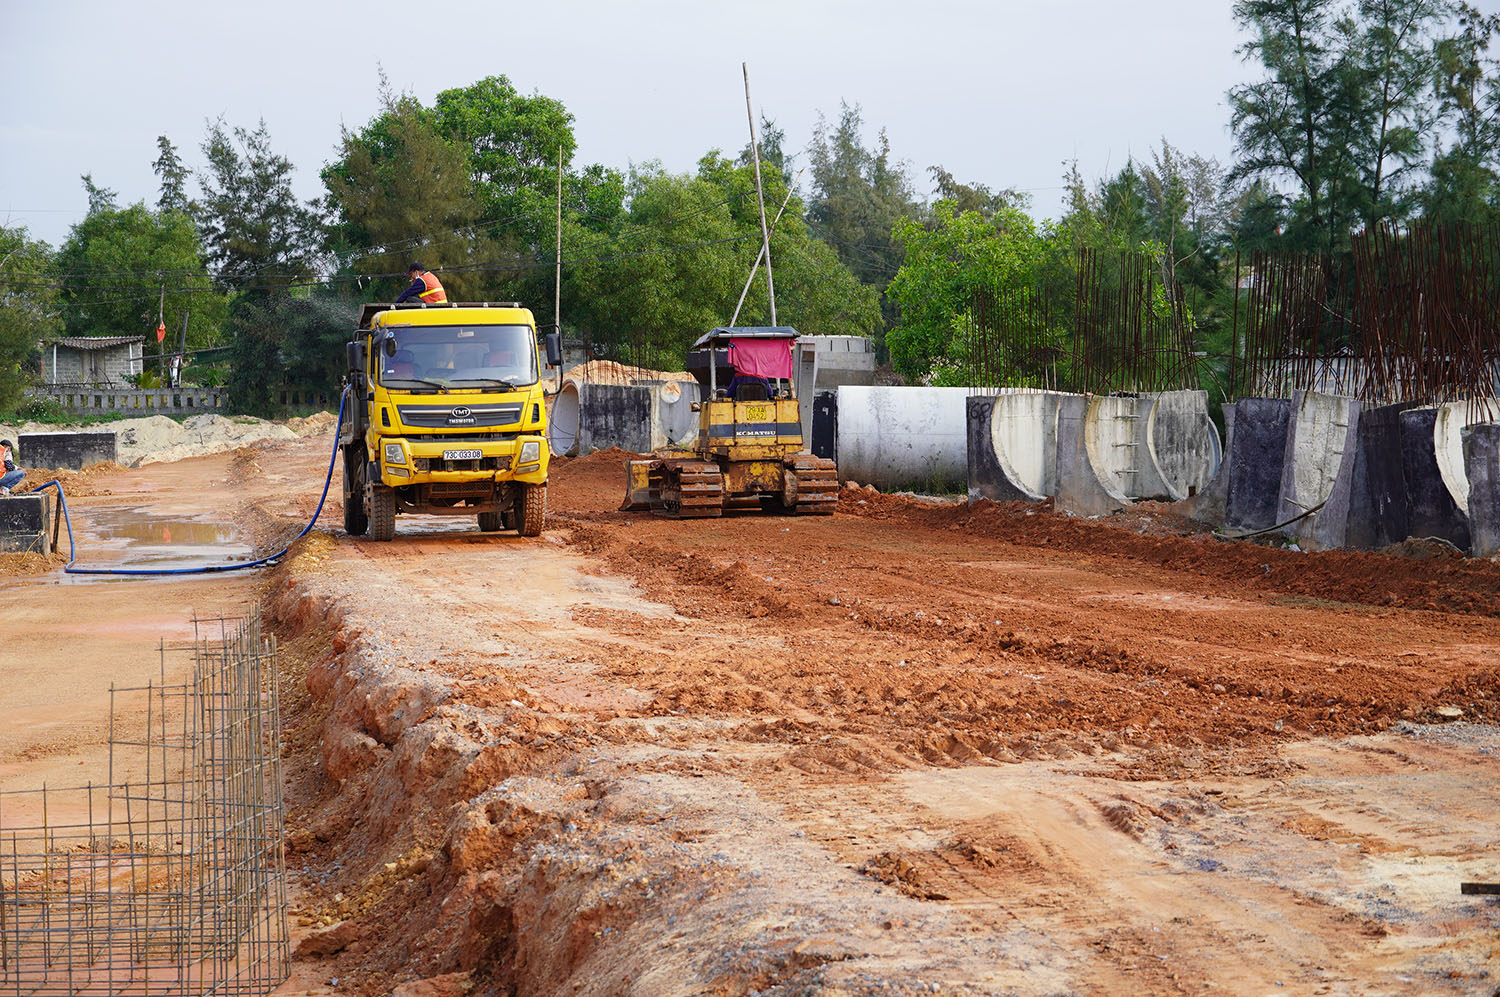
999,93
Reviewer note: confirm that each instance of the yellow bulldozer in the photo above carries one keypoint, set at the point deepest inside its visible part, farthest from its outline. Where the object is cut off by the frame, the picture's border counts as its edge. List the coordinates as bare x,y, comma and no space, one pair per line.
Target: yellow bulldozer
749,452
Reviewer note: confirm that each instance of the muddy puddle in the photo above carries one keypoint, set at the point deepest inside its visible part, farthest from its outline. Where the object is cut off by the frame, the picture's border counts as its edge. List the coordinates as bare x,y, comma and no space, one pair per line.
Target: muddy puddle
129,537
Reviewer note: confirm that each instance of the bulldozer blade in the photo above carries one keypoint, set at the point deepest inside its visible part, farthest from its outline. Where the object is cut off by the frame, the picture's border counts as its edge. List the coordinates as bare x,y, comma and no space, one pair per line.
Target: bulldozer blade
641,492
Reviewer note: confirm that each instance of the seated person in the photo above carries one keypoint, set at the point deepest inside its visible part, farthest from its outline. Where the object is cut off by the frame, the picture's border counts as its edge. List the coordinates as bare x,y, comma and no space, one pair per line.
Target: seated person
748,388
11,476
402,365
500,358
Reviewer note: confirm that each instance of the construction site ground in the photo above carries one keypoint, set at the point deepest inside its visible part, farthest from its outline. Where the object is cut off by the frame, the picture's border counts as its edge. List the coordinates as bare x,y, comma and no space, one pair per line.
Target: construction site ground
917,747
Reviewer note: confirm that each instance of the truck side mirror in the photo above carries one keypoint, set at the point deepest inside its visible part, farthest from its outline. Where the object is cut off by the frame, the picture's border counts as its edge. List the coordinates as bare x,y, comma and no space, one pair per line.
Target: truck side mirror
389,346
554,349
355,353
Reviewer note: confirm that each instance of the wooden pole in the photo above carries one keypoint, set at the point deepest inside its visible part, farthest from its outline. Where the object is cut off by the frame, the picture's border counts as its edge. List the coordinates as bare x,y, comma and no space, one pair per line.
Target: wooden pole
760,196
557,280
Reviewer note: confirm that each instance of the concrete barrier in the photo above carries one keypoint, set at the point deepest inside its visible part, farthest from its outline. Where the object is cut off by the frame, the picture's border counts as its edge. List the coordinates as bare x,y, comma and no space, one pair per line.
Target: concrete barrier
1482,469
587,416
26,523
903,437
73,450
1013,446
1318,468
1434,511
1115,440
1210,504
1452,419
1379,510
823,441
1182,443
1255,462
1081,489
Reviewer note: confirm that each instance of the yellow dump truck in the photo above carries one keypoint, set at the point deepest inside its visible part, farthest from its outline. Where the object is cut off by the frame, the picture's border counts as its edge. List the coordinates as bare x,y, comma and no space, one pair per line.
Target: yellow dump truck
445,416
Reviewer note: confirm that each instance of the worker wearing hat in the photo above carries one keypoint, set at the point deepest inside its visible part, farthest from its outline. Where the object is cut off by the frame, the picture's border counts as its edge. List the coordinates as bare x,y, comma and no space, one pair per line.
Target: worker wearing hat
424,286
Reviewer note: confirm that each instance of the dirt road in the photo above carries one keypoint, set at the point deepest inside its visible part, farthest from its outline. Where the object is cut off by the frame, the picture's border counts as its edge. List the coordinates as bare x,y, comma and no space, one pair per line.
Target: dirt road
912,748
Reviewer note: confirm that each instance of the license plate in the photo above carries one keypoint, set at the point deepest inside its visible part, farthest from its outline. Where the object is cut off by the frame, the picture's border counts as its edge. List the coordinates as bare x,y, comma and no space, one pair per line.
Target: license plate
462,454
758,413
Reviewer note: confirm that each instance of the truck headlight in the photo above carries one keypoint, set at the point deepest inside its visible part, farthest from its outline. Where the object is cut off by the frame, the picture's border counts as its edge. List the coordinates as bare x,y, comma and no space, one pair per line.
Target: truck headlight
395,453
531,452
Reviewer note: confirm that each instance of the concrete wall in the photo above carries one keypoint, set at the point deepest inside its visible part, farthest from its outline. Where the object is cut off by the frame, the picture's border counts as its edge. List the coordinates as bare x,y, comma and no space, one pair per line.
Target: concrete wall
1182,442
1013,446
1379,510
1255,462
1482,469
585,416
26,523
1452,419
903,437
1318,468
72,451
1081,489
1434,511
825,363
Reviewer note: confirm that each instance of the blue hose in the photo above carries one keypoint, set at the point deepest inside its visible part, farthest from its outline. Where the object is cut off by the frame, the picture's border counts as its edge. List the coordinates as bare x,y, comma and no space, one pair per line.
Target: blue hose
237,566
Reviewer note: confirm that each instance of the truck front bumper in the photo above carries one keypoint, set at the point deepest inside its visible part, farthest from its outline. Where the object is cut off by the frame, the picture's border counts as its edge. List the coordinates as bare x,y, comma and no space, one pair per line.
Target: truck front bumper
405,462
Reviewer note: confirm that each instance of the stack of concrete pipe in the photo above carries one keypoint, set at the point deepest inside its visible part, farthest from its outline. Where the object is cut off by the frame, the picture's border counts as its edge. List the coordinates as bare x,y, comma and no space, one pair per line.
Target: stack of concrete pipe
1351,476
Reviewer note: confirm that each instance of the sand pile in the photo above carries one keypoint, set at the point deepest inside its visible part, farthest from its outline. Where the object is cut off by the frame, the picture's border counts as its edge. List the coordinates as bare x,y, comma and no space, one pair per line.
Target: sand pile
157,438
610,372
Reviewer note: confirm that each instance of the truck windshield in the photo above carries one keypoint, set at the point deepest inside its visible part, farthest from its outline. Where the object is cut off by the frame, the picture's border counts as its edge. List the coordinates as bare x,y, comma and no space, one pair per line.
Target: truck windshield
459,358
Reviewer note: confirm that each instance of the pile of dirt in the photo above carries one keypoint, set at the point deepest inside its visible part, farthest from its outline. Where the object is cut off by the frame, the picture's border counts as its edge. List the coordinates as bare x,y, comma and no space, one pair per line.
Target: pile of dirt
157,438
1439,580
610,372
22,563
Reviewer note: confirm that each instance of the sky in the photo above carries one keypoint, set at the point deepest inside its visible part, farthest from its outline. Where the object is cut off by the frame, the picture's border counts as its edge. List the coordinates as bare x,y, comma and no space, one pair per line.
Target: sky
1000,93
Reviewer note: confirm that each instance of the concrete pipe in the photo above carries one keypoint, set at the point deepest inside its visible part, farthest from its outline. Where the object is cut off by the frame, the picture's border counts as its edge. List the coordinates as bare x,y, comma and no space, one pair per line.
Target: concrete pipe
903,437
563,421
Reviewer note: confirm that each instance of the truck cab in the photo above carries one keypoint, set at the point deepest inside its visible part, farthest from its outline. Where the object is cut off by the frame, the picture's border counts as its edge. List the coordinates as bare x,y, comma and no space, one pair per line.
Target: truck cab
446,416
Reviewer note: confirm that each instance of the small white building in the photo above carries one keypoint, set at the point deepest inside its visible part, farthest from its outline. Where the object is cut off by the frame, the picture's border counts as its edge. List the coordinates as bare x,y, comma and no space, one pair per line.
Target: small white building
96,361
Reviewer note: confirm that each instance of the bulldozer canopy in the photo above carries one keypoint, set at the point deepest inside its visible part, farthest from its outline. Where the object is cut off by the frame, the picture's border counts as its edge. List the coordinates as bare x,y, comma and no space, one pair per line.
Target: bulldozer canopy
761,357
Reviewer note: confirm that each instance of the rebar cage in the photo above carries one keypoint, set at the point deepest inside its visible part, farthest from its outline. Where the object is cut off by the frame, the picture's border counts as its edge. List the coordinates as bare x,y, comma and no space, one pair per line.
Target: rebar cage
169,878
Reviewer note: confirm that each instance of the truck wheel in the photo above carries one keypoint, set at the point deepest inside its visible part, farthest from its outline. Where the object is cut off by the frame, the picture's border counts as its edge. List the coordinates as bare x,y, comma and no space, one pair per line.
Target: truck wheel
531,510
355,520
382,512
491,522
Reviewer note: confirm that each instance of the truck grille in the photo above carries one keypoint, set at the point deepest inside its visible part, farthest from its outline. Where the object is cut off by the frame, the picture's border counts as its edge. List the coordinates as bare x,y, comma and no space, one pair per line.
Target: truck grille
459,416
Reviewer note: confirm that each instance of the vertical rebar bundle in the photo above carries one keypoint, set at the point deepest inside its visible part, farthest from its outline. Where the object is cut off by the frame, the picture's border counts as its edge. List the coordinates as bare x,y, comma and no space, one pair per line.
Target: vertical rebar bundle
169,878
1412,315
1011,338
1131,328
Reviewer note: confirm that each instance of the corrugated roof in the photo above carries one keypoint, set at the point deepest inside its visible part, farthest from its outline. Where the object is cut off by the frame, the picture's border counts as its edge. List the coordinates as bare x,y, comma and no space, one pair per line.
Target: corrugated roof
96,342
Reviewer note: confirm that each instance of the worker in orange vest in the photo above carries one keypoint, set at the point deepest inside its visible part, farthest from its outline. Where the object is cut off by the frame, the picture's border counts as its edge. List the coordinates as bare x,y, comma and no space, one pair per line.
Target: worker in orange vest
424,286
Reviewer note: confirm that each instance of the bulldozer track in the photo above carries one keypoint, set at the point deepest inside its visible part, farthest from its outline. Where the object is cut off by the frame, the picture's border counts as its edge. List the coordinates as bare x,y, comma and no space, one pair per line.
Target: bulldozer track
692,490
817,485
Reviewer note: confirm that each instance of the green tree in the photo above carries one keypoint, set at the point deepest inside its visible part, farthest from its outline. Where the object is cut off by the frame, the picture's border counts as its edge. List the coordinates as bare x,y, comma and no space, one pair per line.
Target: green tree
1465,183
174,176
402,191
1396,62
676,264
513,142
28,310
1288,123
858,197
258,235
124,269
947,261
280,342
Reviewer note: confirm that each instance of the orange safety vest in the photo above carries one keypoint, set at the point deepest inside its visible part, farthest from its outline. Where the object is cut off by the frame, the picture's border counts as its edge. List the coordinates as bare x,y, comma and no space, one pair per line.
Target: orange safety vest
434,292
